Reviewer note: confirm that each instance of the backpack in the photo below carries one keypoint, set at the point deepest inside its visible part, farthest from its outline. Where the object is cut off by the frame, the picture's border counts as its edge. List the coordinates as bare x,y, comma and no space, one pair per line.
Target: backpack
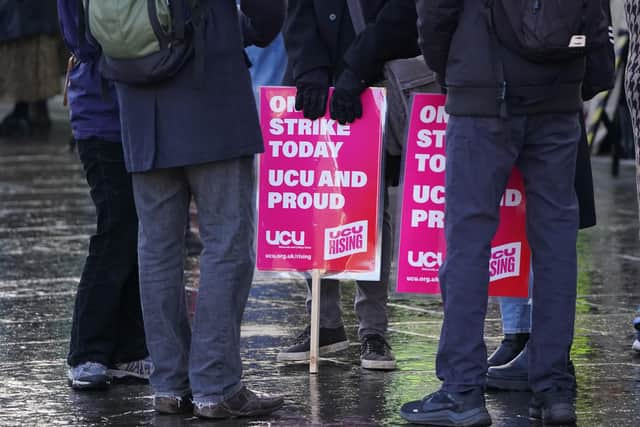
541,31
143,41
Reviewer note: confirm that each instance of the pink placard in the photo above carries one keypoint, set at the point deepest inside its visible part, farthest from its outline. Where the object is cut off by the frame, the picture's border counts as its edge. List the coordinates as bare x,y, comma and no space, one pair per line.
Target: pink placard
421,248
319,188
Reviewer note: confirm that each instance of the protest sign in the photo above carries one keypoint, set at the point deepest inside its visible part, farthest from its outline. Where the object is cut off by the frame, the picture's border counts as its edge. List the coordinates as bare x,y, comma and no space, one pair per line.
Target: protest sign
421,249
319,188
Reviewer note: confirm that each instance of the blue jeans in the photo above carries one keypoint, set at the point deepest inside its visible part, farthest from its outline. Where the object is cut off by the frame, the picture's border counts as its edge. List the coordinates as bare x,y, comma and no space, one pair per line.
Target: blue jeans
516,312
206,361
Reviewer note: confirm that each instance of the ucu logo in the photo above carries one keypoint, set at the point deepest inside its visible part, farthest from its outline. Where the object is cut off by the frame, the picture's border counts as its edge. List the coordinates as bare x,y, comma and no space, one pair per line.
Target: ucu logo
425,259
285,238
345,240
346,232
505,261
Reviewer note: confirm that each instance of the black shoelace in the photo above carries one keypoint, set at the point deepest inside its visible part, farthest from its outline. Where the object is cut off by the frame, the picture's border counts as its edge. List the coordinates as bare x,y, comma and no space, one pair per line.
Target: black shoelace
304,336
374,344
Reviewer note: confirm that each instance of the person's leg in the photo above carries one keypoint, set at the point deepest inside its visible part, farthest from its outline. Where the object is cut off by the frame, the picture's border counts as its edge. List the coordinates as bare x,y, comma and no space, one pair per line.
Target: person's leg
111,261
330,306
516,326
131,358
224,195
516,312
371,297
371,305
224,192
548,166
480,157
161,201
333,337
481,153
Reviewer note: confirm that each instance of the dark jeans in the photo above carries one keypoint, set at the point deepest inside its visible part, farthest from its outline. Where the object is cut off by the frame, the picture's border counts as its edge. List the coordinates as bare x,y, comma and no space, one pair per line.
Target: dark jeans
481,153
107,319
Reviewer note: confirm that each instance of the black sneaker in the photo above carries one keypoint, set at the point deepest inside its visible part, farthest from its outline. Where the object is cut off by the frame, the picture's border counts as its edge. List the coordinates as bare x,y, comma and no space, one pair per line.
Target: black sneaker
245,403
511,346
448,409
172,405
554,407
375,353
331,341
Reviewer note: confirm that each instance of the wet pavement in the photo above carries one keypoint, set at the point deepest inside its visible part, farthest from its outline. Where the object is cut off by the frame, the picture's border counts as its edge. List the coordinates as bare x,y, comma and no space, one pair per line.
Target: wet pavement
45,221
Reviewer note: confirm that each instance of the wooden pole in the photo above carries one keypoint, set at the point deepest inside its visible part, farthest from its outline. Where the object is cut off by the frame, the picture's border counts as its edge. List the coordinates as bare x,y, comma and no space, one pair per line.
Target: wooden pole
314,351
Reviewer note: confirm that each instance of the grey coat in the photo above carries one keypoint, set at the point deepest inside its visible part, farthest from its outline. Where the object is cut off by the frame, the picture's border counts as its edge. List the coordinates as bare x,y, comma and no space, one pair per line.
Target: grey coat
181,121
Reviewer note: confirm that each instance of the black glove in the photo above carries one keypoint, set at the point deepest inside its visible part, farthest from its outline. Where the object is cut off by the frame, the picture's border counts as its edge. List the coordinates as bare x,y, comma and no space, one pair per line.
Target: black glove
312,93
346,105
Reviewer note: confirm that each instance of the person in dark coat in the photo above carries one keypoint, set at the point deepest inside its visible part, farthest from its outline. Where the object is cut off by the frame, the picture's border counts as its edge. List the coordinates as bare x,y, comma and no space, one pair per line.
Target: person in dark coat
323,50
505,111
182,137
30,64
107,333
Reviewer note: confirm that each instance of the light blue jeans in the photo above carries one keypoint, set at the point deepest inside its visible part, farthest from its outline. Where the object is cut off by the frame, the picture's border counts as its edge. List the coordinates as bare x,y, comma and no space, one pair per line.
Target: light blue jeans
516,313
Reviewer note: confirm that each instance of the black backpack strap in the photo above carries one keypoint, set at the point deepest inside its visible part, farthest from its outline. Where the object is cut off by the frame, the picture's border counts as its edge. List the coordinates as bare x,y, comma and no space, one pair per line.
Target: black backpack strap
161,35
177,12
357,15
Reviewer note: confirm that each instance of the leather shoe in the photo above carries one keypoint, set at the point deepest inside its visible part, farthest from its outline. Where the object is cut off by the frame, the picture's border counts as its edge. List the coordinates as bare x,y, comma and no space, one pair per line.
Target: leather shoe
245,403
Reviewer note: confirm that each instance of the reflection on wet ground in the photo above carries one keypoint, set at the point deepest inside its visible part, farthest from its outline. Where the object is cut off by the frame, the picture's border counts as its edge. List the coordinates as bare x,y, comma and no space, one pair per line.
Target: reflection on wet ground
45,220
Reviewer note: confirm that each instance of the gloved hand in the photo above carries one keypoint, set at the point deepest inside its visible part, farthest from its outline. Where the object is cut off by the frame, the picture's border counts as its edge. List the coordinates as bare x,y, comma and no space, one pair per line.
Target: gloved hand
346,105
312,93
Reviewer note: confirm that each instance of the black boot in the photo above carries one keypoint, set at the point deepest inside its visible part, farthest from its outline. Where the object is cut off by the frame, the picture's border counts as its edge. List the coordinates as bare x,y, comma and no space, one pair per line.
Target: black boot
511,346
514,376
17,123
555,407
39,116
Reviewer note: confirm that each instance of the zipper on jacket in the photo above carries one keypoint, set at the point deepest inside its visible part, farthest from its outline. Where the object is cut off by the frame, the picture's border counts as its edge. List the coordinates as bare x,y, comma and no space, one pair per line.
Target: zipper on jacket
536,6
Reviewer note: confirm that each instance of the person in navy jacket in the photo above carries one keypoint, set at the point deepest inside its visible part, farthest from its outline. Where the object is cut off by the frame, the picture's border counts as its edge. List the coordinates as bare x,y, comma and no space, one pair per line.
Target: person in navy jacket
187,137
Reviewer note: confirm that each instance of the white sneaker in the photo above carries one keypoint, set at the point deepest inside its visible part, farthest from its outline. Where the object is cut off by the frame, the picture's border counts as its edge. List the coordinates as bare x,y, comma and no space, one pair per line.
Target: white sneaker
636,345
141,369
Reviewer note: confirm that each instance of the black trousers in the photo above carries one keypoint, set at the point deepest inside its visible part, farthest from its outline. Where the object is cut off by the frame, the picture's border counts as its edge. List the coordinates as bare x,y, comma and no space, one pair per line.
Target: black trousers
107,319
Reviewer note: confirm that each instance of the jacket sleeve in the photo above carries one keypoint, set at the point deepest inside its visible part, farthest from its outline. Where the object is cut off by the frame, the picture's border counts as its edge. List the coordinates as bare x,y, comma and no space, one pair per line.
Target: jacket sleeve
261,21
600,68
305,48
393,35
81,46
437,22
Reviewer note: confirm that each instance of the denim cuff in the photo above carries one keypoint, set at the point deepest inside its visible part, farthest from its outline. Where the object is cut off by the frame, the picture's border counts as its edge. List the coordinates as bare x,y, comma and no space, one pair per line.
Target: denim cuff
216,399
